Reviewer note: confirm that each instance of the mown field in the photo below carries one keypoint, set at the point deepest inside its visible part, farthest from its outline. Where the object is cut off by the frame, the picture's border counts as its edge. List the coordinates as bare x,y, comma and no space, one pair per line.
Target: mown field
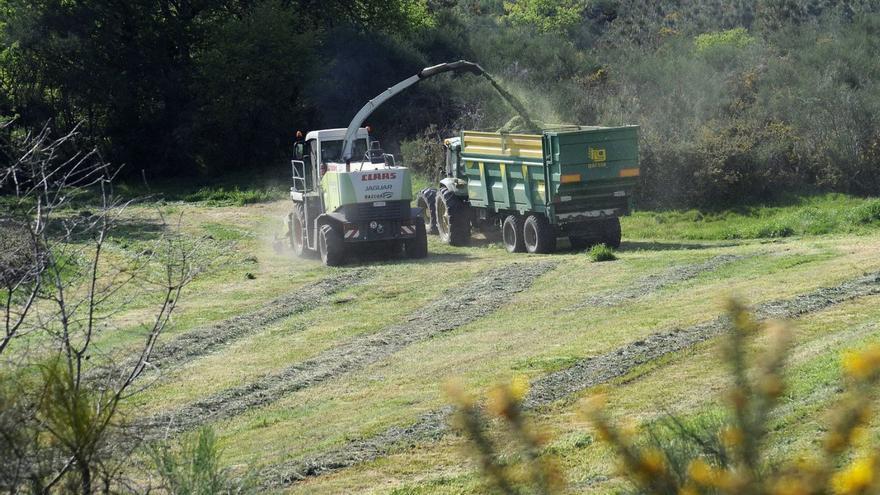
332,380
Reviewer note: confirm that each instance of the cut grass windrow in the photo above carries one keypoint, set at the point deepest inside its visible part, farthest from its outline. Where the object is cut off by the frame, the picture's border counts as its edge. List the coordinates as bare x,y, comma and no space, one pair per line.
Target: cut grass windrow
590,372
586,373
653,283
204,340
457,307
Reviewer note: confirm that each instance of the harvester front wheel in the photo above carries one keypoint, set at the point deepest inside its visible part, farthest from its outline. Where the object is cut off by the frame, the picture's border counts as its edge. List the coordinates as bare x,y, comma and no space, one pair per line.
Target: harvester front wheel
453,222
539,235
417,247
428,203
512,234
331,246
297,220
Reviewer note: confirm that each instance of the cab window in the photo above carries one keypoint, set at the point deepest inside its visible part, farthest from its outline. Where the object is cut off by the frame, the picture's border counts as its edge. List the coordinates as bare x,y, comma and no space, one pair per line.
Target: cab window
331,151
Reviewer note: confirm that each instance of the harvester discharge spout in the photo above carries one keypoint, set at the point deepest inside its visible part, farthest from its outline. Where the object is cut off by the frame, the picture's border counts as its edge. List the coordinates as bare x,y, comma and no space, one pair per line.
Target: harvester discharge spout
459,66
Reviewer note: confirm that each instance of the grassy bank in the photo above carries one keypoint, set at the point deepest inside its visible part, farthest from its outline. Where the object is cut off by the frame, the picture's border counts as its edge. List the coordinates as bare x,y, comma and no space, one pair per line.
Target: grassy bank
807,215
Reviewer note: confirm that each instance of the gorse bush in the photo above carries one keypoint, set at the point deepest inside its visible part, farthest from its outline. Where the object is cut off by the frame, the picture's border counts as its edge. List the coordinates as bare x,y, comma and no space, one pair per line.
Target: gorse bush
722,455
193,467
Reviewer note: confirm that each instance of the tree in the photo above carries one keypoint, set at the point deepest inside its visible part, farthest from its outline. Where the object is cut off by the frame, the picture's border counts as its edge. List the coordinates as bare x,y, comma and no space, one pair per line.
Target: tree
59,421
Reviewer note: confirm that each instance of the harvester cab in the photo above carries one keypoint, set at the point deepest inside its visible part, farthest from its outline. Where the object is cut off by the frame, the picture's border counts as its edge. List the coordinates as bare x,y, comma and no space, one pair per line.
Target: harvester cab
347,191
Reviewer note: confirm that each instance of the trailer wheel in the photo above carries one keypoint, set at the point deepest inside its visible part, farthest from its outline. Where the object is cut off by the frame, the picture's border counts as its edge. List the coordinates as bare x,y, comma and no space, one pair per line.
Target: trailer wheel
539,235
611,231
297,233
453,223
428,203
417,247
330,245
579,243
512,234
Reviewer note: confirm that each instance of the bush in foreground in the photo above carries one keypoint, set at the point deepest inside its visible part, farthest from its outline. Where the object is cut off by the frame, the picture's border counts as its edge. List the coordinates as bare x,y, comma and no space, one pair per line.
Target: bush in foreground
725,458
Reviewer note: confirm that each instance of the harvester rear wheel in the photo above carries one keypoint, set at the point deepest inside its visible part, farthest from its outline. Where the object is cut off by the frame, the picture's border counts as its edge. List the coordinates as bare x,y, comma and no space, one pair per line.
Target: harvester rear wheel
428,203
512,234
539,235
417,247
611,230
453,221
297,239
331,245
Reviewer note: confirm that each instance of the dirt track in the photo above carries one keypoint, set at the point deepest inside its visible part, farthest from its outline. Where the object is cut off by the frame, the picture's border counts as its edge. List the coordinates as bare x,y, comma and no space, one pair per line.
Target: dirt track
584,374
653,283
457,307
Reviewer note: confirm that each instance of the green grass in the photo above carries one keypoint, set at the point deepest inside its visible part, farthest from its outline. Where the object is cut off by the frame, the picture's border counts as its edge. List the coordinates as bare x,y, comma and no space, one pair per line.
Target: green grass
810,215
541,330
601,252
221,196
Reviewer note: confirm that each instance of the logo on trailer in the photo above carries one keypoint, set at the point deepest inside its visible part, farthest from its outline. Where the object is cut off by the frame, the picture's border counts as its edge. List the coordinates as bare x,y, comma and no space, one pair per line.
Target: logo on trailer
597,154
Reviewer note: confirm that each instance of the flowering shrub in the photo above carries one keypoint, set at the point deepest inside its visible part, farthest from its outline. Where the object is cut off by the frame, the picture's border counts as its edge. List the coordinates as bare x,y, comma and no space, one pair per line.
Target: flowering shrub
731,459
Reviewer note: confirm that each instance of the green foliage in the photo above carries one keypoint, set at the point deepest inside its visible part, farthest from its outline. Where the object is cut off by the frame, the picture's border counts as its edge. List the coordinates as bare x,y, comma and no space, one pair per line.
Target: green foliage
731,38
546,15
248,77
601,252
194,467
222,196
737,101
425,154
808,215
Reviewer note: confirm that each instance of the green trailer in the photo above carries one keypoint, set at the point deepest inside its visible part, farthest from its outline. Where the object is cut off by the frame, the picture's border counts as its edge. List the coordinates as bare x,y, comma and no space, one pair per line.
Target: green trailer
573,182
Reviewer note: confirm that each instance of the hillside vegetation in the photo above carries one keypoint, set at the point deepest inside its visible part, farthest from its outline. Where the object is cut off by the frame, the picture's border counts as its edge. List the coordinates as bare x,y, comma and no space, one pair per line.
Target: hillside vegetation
736,101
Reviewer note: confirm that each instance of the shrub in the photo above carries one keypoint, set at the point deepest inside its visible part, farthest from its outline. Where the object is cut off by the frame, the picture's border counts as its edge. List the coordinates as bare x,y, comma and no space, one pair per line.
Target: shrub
194,468
723,454
425,154
732,38
220,196
601,252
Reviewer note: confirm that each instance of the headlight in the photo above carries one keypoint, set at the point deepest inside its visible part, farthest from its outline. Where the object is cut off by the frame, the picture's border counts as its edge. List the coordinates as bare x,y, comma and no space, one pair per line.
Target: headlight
374,224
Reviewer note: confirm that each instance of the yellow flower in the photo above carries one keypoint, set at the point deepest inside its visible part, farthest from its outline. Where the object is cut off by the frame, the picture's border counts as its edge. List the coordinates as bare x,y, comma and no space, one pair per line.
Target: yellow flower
702,473
652,462
856,478
862,365
519,388
790,486
500,402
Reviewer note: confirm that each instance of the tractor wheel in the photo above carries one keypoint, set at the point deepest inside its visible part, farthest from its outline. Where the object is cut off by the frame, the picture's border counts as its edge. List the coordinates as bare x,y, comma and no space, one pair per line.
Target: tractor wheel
428,203
417,247
297,232
539,235
453,219
330,245
512,234
611,231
